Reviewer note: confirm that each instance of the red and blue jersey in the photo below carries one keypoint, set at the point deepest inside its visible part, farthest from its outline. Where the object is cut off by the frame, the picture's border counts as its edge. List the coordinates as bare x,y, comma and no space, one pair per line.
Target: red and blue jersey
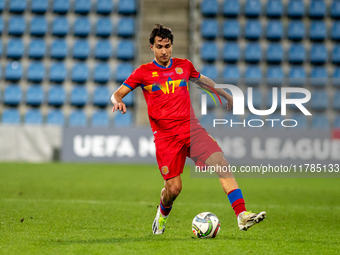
166,91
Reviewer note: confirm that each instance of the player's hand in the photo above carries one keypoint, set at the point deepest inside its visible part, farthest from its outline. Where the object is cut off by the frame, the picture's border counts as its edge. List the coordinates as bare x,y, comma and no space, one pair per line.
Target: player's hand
120,107
229,104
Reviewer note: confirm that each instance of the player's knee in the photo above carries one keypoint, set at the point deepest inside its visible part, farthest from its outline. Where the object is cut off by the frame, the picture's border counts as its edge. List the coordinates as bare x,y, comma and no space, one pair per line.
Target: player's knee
174,190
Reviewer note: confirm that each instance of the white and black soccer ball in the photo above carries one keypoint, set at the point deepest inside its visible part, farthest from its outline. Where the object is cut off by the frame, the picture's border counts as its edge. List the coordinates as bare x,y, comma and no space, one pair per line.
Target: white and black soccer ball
206,225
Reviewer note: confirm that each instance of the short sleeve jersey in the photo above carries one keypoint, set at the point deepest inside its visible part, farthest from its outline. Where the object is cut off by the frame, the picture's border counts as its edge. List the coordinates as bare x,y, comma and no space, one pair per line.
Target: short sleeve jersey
166,91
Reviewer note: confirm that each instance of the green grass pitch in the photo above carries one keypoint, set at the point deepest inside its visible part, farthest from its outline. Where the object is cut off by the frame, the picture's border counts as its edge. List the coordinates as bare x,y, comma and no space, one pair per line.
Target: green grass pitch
109,209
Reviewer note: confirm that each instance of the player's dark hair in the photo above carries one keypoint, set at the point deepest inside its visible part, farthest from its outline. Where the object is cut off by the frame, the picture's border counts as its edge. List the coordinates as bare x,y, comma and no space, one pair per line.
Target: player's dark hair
162,32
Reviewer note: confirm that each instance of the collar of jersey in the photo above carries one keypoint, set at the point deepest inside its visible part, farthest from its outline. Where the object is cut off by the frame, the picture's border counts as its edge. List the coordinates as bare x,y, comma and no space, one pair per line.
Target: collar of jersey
164,67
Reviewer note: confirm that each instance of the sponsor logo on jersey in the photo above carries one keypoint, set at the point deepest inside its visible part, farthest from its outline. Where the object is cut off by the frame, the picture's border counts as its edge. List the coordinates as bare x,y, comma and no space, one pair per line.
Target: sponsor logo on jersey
165,170
154,74
179,70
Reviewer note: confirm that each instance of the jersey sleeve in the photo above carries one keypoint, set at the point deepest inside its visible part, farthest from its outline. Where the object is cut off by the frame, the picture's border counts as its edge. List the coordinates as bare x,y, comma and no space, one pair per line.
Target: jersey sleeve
134,80
193,72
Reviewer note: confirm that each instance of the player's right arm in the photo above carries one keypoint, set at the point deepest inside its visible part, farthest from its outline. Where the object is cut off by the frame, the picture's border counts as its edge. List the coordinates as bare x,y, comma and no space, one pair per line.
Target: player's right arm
117,99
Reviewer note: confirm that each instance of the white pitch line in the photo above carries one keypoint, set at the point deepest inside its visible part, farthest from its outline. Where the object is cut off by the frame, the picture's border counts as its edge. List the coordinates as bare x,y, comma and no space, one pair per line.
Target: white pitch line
105,202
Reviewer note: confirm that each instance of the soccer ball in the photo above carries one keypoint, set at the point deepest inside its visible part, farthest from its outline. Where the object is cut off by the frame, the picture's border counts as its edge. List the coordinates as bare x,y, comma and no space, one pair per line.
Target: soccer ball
206,225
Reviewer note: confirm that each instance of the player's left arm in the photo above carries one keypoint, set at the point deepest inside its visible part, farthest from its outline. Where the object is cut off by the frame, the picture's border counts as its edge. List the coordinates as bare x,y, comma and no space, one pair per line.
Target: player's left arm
207,83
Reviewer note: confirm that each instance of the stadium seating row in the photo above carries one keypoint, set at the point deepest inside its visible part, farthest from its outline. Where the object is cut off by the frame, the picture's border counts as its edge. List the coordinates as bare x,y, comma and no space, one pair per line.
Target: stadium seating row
275,76
319,121
274,30
252,53
65,6
57,96
102,73
317,9
60,26
59,49
77,118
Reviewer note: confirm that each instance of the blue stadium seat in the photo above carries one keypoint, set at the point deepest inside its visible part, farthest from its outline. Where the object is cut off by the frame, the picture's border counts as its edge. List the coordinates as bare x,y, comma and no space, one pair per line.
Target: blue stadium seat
37,49
59,49
36,72
252,8
77,118
318,31
210,71
1,25
296,30
319,100
127,7
12,95
102,73
274,30
231,74
208,120
317,9
79,96
13,71
297,76
58,72
297,95
129,99
270,99
82,26
100,118
301,120
253,30
319,76
55,117
123,120
34,95
336,54
38,26
274,8
60,26
15,48
104,27
101,96
231,8
11,116
231,29
231,52
274,53
126,50
297,53
336,101
336,31
80,73
256,97
296,9
275,76
336,123
253,75
17,6
0,52
16,25
253,52
209,51
320,122
318,54
209,28
104,6
81,49
103,50
335,9
82,6
33,117
336,77
209,7
39,6
2,5
123,71
56,95
61,6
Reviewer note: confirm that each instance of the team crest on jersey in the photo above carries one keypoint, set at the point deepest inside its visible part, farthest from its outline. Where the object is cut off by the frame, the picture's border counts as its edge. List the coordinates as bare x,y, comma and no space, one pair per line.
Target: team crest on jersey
165,170
154,74
179,70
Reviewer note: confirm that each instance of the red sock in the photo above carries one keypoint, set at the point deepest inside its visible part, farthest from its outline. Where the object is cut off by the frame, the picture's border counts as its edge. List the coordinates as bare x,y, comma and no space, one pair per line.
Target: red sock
165,210
236,200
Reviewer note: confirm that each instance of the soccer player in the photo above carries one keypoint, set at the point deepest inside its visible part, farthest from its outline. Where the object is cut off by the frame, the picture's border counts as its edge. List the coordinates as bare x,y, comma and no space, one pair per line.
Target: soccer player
177,132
